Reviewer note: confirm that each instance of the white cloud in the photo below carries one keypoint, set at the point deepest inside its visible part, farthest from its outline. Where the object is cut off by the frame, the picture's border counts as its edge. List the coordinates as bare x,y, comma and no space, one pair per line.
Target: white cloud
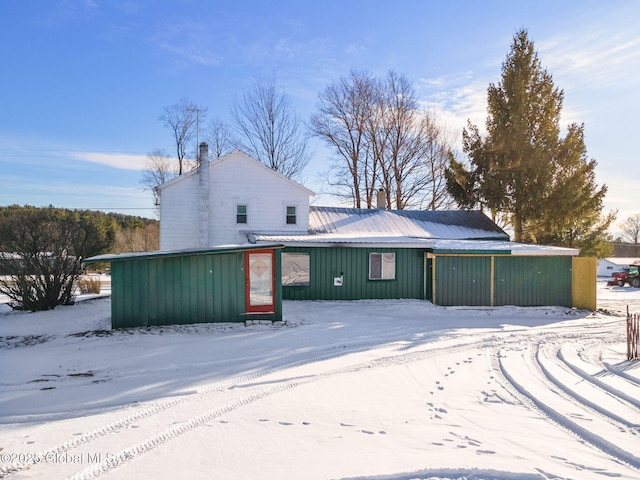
115,160
456,100
595,58
188,42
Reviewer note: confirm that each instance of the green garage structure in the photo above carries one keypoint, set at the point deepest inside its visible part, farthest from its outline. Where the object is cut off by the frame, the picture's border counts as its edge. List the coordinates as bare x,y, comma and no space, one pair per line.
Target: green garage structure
473,278
217,284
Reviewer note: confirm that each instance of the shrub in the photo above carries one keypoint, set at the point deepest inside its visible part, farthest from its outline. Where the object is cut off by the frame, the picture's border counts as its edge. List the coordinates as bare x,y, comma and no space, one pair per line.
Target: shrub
41,249
89,284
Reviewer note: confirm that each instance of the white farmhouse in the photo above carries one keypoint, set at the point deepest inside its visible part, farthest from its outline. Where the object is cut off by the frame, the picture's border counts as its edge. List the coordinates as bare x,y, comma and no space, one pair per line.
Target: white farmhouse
222,201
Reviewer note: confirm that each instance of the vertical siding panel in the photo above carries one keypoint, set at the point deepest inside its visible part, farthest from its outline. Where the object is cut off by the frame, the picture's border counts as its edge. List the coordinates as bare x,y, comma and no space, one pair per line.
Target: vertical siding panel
154,273
463,280
117,294
533,280
183,289
209,289
327,263
216,280
173,279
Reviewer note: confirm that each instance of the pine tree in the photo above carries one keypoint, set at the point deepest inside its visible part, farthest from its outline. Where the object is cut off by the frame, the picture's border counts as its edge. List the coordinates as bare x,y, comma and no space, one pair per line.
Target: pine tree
523,168
572,215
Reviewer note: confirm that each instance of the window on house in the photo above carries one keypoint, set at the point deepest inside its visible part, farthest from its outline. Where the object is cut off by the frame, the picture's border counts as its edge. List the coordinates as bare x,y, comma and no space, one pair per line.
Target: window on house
241,214
291,215
382,266
295,269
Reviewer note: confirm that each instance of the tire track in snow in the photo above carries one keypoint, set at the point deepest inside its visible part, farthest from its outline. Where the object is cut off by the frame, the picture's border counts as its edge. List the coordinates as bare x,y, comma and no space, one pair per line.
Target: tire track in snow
202,418
570,362
562,378
490,340
513,372
157,409
333,352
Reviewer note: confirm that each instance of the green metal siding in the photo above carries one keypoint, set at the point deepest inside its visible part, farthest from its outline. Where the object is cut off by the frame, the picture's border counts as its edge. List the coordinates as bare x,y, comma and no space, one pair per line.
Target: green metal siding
462,280
182,289
517,280
533,281
326,263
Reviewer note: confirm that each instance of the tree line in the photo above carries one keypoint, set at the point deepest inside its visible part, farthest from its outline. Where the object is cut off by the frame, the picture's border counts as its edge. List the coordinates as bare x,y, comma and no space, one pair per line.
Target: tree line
42,249
521,171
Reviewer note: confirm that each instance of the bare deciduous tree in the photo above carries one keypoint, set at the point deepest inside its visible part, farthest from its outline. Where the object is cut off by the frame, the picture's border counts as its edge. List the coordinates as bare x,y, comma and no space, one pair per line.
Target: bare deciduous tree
47,246
269,129
183,119
405,170
631,229
159,168
219,138
342,121
437,153
385,140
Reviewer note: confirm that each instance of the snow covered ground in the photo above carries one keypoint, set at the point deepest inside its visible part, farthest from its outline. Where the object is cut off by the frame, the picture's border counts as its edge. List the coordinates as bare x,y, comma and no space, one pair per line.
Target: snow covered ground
341,390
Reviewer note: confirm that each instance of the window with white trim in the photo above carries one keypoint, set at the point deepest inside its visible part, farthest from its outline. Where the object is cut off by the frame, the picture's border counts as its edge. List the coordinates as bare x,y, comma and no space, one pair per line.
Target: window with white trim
291,215
295,269
382,266
241,214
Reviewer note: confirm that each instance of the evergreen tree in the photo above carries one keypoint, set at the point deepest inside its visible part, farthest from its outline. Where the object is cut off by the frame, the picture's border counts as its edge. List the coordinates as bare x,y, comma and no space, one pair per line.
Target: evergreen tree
572,209
523,168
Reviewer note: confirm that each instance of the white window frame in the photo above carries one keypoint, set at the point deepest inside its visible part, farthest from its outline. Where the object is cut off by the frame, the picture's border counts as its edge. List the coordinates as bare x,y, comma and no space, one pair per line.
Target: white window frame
246,213
287,216
299,276
382,266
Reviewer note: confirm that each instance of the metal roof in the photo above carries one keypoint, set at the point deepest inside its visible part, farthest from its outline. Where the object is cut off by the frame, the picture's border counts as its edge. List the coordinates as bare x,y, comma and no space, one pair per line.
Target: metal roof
428,224
114,257
498,246
329,239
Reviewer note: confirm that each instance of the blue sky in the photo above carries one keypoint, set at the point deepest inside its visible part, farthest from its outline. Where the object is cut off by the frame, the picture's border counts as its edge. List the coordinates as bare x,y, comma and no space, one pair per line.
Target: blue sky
84,82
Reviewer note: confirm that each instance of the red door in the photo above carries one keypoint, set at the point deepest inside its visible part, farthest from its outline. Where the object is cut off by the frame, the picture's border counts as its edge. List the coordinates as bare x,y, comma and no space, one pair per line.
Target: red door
260,283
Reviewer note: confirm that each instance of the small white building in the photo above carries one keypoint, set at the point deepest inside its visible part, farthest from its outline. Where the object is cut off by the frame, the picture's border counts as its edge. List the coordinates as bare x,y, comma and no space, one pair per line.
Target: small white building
608,266
222,201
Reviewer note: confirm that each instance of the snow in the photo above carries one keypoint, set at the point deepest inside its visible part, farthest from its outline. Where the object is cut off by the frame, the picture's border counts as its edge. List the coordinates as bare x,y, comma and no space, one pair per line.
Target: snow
396,390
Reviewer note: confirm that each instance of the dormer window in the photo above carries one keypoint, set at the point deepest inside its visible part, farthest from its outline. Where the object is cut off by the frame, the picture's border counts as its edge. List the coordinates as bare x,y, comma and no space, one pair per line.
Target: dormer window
241,214
291,215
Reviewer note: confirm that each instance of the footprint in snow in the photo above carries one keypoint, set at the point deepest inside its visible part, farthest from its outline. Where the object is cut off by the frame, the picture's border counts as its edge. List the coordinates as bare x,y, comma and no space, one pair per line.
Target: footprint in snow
285,423
485,452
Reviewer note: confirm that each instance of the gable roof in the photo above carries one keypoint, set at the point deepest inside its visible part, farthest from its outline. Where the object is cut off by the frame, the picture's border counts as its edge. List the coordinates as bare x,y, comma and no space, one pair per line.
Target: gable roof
234,156
427,224
368,227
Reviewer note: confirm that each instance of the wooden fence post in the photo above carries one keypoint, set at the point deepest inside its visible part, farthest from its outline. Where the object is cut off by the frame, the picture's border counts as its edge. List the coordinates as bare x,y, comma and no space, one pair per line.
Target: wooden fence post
633,335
